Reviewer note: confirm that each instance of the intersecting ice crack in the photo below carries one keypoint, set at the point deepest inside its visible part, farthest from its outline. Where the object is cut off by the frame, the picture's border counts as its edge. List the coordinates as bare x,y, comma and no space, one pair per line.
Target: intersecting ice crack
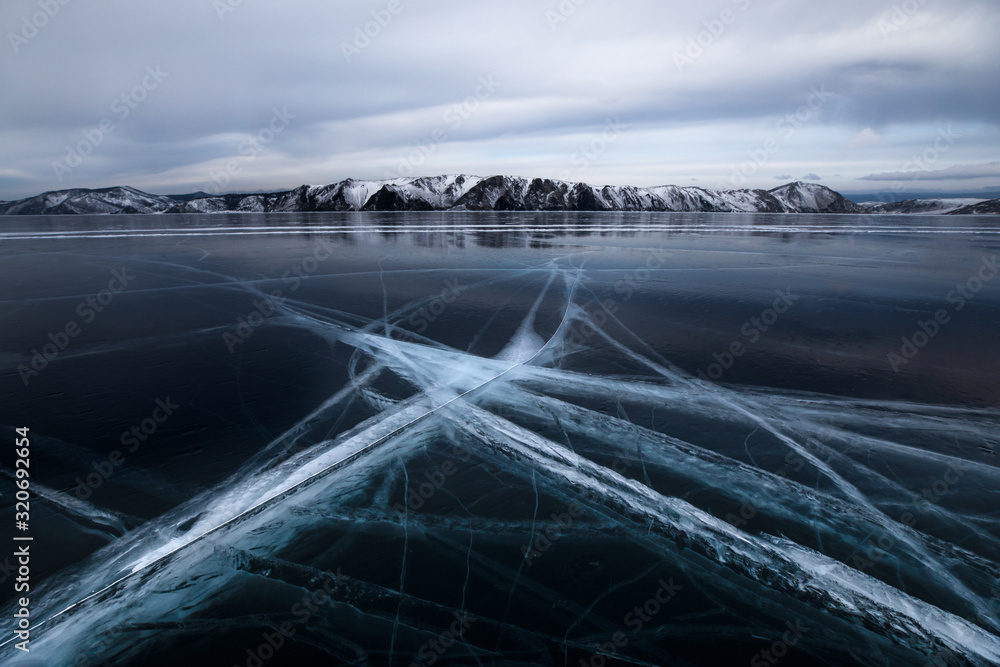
458,390
301,476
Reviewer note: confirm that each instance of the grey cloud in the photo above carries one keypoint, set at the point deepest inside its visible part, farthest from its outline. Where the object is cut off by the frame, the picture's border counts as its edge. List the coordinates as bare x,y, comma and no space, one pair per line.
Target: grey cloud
605,60
957,173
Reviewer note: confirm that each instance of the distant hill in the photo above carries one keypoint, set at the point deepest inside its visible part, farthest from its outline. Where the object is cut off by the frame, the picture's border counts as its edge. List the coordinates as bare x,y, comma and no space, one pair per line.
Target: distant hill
474,193
444,193
921,206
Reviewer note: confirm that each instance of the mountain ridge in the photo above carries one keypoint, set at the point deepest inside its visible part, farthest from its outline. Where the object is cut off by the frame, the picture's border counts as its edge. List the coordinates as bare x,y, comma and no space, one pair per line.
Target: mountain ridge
455,192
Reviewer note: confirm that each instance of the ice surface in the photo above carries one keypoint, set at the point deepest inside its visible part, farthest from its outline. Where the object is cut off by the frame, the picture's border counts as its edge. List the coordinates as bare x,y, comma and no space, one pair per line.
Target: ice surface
530,415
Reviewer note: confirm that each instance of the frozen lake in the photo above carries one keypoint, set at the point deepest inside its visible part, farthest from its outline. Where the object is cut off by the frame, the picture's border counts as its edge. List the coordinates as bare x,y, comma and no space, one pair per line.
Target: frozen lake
549,439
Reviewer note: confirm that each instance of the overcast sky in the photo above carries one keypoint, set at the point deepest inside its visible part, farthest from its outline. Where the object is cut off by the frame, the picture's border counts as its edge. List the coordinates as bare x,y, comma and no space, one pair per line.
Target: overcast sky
245,95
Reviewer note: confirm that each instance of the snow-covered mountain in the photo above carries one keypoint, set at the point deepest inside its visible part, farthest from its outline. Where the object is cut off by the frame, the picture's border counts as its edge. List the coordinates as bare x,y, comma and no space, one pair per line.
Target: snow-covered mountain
443,193
81,201
919,206
990,207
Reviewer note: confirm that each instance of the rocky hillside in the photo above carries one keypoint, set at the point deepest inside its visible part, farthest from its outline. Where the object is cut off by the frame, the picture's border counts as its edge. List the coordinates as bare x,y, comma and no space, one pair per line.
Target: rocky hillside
918,206
446,193
990,207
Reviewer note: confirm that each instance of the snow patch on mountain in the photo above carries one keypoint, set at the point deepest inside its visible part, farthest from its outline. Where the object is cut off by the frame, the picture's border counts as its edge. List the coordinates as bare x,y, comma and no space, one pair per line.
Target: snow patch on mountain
933,206
455,192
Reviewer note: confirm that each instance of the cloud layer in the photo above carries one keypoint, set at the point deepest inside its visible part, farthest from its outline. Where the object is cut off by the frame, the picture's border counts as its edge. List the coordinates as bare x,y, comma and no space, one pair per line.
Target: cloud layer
642,92
960,172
